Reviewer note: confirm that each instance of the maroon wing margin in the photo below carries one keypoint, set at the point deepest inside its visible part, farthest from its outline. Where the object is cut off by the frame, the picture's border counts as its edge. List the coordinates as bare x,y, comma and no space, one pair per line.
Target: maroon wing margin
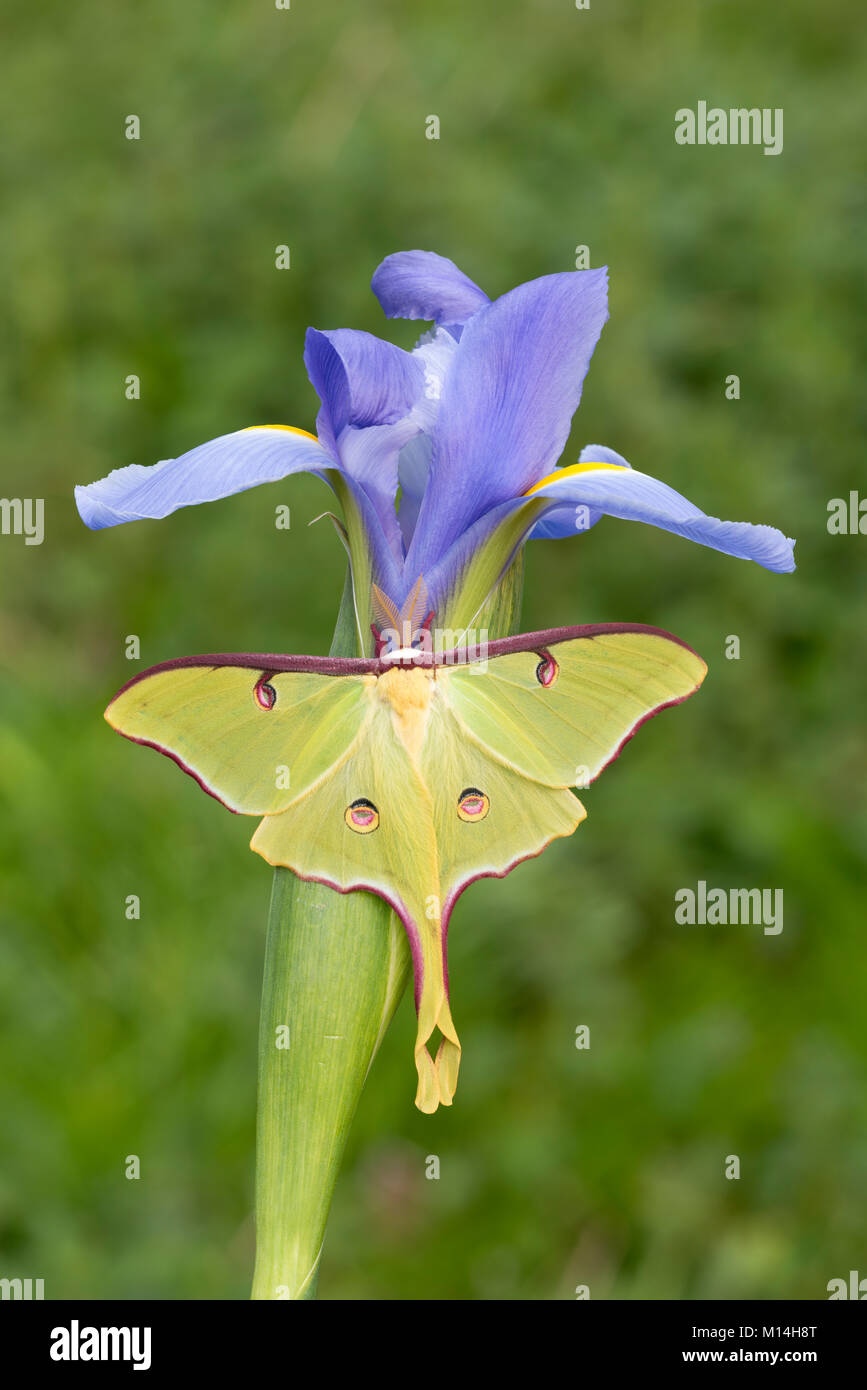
549,637
273,663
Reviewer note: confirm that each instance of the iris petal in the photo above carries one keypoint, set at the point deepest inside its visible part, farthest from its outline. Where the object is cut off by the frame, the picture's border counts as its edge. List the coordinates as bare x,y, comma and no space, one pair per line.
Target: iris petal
507,403
360,380
461,580
226,465
233,463
369,390
423,285
563,521
634,496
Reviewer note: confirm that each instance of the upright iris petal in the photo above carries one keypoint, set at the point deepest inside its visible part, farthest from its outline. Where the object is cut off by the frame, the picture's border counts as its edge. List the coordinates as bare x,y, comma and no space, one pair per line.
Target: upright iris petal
368,389
507,403
423,285
435,352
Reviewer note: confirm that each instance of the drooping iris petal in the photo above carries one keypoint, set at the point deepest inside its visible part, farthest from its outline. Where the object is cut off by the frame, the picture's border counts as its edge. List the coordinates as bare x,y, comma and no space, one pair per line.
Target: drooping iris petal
423,285
462,579
368,389
599,453
623,492
234,463
507,403
231,463
567,519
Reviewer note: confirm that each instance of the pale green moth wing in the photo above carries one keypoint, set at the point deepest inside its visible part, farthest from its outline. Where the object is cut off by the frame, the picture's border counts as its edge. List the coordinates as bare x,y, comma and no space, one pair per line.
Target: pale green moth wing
487,819
252,738
411,778
369,825
425,831
559,711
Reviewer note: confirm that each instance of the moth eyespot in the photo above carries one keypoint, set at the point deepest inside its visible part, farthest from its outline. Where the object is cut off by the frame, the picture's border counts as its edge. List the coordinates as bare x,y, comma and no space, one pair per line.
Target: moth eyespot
265,694
473,804
547,671
362,816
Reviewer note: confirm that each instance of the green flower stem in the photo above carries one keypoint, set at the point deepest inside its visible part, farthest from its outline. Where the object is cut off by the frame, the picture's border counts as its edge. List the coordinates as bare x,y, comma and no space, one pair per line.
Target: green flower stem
336,966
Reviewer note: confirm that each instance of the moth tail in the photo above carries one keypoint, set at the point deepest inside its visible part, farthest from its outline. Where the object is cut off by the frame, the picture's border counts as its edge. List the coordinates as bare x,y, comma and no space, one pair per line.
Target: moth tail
437,1075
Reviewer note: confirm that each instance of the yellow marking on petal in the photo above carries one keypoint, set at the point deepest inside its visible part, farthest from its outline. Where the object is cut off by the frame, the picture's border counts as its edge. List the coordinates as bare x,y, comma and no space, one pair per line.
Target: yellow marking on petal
291,429
570,472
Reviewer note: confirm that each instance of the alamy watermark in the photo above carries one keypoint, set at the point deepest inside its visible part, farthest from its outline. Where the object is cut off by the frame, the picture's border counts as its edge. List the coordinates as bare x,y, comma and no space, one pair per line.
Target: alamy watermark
77,1343
703,906
739,125
854,1287
23,516
448,646
24,1289
847,516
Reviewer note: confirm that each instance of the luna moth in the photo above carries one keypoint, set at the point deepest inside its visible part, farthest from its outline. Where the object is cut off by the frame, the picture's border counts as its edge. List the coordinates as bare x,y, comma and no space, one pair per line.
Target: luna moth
411,774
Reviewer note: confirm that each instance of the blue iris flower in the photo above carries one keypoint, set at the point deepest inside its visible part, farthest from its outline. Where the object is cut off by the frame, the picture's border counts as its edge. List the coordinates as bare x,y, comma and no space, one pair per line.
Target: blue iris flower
444,458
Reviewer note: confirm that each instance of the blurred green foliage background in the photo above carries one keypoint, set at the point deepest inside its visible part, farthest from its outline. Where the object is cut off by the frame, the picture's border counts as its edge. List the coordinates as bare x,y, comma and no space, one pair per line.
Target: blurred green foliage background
306,127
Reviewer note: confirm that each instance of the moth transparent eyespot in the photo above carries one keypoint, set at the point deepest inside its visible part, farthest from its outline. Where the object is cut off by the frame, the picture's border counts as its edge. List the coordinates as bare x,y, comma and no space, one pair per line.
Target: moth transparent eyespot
473,804
361,816
265,693
547,671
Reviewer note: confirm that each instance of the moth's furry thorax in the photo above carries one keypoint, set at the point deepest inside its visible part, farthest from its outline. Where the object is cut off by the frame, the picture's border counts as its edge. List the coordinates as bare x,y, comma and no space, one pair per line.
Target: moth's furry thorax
408,693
